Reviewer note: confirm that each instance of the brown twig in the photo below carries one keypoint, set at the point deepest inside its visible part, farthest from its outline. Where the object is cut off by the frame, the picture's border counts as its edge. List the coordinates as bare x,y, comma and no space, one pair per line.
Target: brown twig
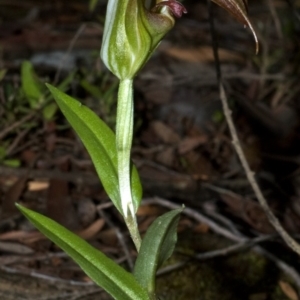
276,19
196,216
120,237
49,278
16,124
76,177
250,176
16,141
237,145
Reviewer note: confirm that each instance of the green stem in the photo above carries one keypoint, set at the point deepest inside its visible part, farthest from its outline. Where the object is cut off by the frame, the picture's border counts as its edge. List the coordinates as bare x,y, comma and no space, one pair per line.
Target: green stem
124,133
131,224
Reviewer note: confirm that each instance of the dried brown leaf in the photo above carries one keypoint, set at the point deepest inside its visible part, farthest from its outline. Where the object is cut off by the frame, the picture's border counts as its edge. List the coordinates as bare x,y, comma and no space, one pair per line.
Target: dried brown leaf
149,210
166,157
12,196
191,143
38,185
92,230
288,290
200,54
59,204
165,133
20,235
249,211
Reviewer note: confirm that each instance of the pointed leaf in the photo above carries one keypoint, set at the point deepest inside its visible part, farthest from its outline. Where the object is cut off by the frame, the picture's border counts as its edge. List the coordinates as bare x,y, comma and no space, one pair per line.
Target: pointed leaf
99,140
157,246
239,10
101,269
31,85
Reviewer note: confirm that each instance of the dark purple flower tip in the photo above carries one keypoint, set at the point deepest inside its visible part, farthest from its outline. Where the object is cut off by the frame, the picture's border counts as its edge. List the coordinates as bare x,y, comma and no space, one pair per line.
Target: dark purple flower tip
177,9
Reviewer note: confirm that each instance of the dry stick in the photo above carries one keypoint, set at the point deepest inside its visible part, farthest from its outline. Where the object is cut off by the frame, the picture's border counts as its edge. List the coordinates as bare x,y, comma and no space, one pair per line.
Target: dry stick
120,238
49,278
276,20
16,141
196,216
237,146
16,124
250,175
75,177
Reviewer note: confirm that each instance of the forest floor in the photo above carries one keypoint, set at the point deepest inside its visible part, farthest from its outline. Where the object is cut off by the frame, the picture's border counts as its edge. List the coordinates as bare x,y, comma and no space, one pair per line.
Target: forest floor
182,150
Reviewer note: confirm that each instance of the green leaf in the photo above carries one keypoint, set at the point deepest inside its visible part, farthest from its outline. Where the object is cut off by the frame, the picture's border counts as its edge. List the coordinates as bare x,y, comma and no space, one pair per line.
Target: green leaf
66,82
91,88
31,85
2,73
14,163
92,5
49,111
99,141
2,152
157,246
101,269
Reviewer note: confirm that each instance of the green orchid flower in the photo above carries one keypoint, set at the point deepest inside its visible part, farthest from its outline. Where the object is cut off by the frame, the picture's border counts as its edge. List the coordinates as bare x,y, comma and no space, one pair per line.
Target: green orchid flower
132,32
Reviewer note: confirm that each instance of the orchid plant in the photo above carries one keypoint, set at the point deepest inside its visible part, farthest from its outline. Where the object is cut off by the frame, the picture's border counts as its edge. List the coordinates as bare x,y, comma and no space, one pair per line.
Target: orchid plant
131,34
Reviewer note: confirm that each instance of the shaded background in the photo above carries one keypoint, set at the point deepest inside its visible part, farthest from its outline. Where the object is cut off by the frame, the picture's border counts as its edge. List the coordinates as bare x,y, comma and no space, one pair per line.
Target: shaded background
182,149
